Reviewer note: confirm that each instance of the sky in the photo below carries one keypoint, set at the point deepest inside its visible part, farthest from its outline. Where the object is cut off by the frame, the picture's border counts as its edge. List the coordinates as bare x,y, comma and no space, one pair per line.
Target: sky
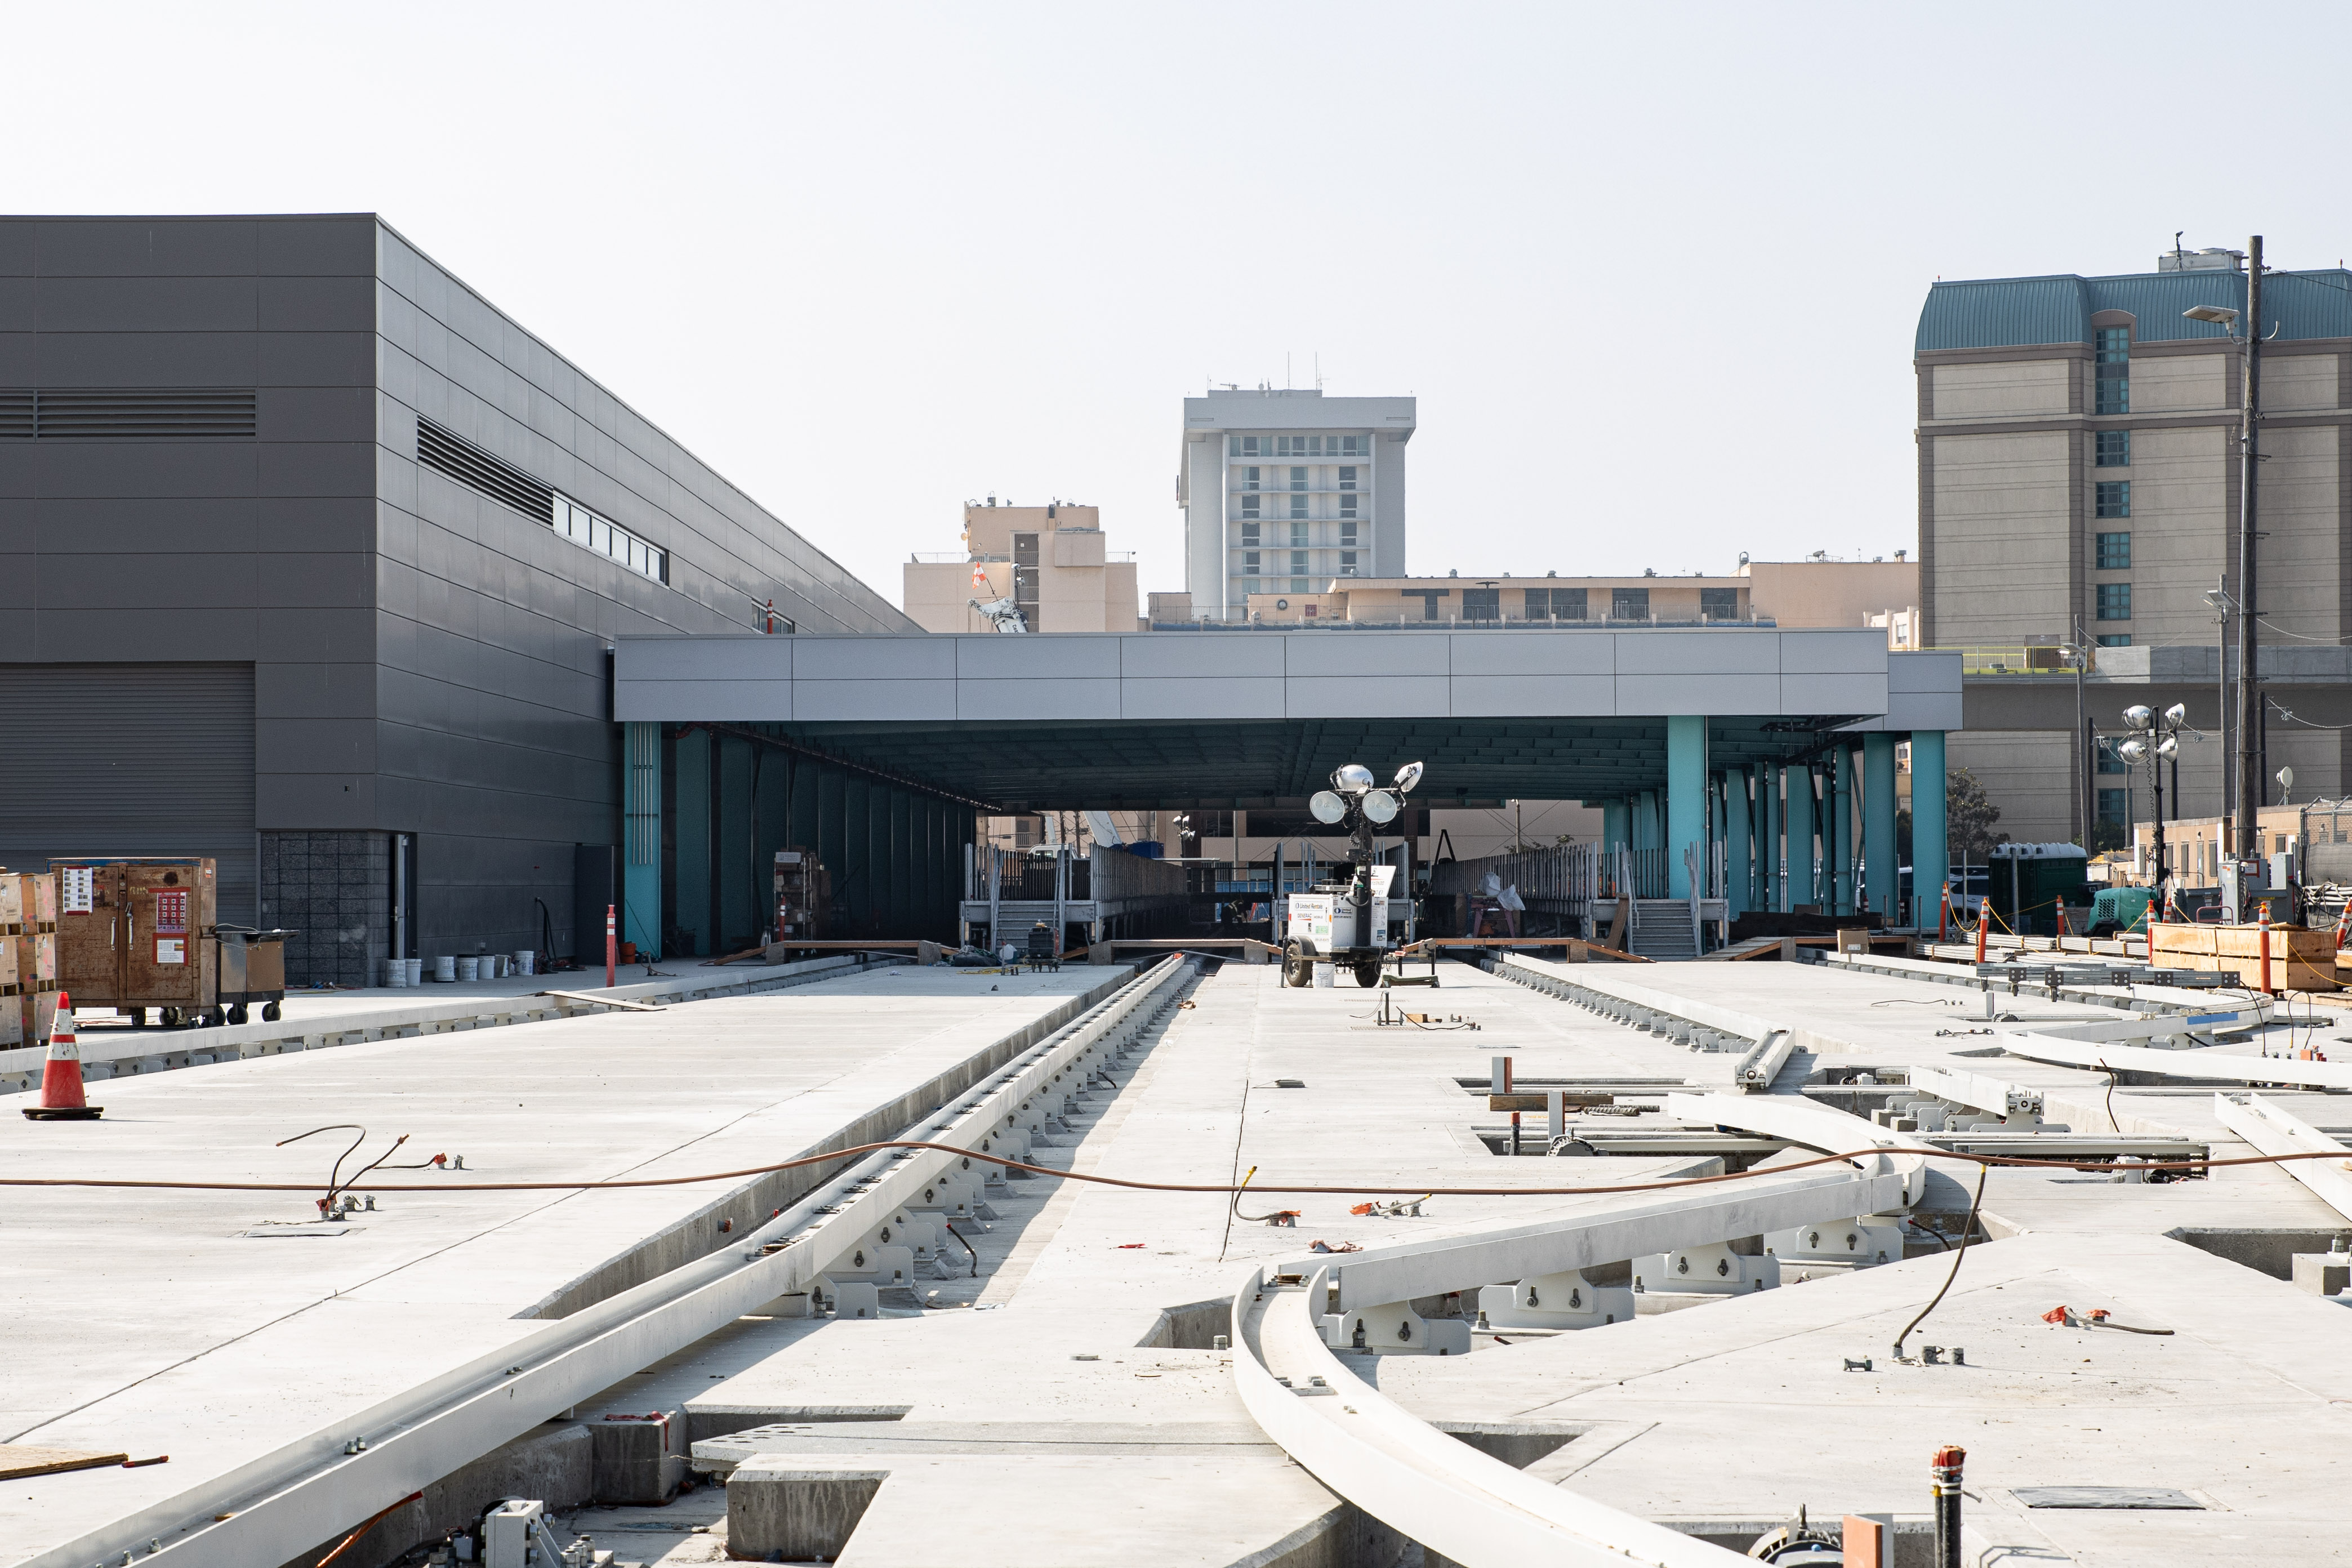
1653,272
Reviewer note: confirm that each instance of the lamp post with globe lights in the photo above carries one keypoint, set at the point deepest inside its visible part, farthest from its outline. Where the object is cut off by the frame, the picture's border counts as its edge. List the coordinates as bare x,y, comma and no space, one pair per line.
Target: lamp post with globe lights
2155,739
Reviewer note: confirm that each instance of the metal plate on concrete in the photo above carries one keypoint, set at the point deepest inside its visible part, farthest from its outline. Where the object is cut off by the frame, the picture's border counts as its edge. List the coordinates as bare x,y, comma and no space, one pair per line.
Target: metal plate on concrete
2104,1497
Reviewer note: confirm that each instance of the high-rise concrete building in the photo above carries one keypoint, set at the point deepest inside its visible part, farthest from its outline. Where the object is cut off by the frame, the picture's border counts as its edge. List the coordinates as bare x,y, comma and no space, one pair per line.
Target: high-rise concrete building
1284,490
1050,561
2079,476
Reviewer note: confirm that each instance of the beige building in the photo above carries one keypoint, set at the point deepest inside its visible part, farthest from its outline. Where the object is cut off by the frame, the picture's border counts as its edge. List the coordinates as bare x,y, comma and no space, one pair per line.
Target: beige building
2079,478
1051,560
1783,592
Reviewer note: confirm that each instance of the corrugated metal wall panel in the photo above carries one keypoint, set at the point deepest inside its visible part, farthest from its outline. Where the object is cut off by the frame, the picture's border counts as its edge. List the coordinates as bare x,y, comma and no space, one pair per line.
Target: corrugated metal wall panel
2007,313
130,759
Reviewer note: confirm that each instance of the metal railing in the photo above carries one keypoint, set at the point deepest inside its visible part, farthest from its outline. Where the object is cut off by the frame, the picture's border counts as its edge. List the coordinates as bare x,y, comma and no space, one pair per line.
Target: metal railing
2015,659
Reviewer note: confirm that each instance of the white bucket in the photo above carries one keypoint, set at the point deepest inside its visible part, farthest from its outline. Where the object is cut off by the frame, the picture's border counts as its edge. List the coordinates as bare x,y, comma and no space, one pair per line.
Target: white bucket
445,969
469,969
526,963
395,973
1325,977
415,967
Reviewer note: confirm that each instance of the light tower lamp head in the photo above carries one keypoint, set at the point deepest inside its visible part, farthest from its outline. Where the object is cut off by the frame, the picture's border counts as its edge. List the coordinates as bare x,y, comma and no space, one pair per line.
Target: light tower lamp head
2138,716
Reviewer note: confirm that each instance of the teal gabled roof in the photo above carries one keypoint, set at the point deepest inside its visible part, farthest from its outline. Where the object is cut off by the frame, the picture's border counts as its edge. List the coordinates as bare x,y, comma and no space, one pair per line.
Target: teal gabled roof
2010,313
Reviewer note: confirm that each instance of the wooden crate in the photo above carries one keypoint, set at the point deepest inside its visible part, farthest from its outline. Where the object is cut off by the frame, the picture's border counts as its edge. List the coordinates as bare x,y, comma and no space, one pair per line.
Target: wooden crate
2301,959
28,962
28,899
26,1018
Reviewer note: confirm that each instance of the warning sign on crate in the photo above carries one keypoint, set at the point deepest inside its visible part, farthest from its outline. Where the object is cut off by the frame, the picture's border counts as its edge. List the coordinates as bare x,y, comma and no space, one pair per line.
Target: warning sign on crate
81,890
170,925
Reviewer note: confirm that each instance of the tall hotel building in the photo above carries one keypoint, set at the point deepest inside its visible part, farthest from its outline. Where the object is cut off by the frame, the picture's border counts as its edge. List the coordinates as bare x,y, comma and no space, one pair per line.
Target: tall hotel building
1284,490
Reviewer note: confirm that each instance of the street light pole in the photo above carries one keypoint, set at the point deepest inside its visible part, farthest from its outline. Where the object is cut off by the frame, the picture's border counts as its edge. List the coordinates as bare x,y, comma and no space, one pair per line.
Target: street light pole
2250,783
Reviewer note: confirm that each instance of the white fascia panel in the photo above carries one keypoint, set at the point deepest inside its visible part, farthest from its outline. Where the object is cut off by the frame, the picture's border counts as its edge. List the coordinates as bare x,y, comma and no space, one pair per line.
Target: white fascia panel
702,701
1862,651
1083,697
871,659
1365,653
1535,696
1833,694
885,699
1368,696
692,658
1697,653
995,656
1533,653
1214,696
1711,694
1200,654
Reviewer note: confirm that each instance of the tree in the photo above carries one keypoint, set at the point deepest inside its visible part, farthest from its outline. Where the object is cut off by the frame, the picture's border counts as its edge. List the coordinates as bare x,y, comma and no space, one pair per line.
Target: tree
2108,836
1969,817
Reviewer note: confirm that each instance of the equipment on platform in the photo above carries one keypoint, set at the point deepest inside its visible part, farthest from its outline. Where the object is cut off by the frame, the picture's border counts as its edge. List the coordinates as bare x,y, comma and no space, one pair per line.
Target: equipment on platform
1004,615
251,966
135,934
802,891
1345,923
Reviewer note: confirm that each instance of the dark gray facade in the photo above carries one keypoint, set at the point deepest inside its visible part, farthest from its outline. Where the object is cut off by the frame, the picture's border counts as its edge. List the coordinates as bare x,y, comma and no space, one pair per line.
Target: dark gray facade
208,455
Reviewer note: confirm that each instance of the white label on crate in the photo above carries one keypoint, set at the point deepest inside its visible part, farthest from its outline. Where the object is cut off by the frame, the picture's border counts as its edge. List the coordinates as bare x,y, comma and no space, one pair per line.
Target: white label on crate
81,890
171,950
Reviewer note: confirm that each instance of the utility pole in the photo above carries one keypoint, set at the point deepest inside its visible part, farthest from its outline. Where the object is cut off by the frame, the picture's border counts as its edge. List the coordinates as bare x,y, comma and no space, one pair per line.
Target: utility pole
2250,783
2086,803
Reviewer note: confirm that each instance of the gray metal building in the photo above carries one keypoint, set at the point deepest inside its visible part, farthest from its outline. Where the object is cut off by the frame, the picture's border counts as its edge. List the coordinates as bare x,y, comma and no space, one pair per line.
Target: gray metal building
310,559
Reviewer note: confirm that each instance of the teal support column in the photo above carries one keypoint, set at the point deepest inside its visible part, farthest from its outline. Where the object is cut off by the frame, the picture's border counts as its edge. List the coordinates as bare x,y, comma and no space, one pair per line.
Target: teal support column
1767,843
1738,839
1841,827
641,837
692,879
1931,856
1878,823
1616,825
1798,783
1686,798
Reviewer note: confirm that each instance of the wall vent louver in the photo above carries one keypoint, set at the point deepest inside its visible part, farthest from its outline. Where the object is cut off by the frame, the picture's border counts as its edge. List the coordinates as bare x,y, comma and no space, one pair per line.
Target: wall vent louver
476,469
65,413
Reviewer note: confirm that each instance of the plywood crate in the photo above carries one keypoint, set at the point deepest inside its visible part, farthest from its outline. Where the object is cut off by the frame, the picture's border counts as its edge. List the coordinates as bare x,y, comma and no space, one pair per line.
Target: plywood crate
26,1018
2301,959
28,901
29,962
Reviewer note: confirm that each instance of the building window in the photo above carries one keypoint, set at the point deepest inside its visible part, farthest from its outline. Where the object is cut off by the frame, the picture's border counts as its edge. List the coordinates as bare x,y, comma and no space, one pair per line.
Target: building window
1299,478
1250,478
1560,604
1249,562
584,528
2114,498
1299,536
1249,506
1629,604
1298,506
1481,603
1249,535
2108,762
1298,564
1321,446
1346,479
2114,449
2115,601
2114,806
1718,604
2115,639
2114,551
1347,564
1347,505
1298,585
2114,370
1348,533
1247,447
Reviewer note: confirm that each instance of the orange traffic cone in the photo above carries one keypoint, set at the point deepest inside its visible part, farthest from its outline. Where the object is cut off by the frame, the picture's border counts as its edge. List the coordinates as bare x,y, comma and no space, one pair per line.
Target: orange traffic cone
2341,921
61,1097
2171,906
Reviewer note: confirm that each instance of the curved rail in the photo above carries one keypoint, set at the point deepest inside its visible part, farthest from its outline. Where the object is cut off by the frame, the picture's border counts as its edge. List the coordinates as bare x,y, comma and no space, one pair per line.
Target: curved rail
1433,1488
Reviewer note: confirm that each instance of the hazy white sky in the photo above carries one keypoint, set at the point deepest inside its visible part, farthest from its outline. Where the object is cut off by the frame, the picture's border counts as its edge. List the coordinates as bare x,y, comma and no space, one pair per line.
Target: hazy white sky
1652,271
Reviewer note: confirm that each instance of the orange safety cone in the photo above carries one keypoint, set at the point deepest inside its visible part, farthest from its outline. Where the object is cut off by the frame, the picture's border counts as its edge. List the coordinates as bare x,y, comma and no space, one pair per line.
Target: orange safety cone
2171,906
2341,921
61,1096
1984,924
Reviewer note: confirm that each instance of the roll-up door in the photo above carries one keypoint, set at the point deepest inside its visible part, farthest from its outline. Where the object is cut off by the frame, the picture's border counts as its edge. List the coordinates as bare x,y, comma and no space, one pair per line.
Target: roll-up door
130,759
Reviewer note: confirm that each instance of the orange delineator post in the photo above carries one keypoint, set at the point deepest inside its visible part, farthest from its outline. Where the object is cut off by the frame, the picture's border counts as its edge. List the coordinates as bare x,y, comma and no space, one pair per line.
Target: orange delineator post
1944,915
1984,923
2263,927
612,946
